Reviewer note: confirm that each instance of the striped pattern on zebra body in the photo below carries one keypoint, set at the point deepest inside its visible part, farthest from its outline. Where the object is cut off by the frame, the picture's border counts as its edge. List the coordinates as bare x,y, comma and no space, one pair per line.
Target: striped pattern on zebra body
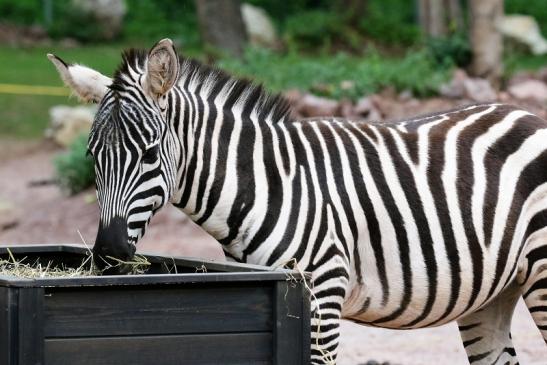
405,225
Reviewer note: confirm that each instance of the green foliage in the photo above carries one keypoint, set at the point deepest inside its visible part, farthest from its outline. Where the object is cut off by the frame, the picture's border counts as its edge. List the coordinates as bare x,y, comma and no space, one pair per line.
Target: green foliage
415,72
69,21
25,12
325,75
281,10
518,61
145,20
312,28
393,22
451,50
74,170
154,20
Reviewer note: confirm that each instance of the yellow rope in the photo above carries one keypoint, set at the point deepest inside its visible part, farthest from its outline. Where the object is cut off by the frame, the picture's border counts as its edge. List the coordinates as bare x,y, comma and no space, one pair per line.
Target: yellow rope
33,90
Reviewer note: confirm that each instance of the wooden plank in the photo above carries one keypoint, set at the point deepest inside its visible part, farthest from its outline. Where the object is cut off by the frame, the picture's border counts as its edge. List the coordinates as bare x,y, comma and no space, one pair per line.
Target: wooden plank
209,349
192,262
72,256
305,302
147,279
147,311
31,326
291,343
8,325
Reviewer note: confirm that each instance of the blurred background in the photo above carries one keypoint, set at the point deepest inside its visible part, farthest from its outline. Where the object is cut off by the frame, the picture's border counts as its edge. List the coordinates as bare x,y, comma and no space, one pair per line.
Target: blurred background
370,59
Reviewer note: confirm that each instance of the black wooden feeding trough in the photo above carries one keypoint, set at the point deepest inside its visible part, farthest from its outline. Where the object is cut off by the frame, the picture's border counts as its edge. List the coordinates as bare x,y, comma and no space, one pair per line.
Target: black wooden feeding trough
205,313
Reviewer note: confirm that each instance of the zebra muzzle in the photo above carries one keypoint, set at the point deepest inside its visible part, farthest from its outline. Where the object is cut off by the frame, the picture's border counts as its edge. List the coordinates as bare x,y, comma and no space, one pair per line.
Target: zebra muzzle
112,247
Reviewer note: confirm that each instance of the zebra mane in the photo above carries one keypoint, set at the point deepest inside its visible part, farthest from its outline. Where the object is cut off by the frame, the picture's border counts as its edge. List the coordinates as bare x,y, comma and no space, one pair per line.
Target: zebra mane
195,74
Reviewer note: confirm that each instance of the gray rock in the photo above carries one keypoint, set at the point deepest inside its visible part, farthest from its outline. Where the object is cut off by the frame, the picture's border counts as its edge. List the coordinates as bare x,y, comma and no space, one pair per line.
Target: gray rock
315,106
479,90
529,89
108,14
259,26
67,123
346,109
366,109
542,74
293,96
463,86
455,88
524,29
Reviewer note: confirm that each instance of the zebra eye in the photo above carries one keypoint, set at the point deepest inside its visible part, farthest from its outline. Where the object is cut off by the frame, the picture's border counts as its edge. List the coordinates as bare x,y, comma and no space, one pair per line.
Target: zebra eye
149,156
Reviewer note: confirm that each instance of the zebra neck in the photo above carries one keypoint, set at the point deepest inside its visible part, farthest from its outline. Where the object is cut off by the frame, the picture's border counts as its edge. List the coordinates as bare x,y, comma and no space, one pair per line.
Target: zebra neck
228,154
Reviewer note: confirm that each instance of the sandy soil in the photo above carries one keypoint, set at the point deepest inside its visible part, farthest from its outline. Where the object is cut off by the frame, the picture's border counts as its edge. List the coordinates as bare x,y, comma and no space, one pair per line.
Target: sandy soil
44,215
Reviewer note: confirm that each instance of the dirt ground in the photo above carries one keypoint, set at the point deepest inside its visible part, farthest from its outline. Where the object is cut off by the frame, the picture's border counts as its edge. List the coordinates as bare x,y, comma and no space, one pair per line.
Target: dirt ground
42,214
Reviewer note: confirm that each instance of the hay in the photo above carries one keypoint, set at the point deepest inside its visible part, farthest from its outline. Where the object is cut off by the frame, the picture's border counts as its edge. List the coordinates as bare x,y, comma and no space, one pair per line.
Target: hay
37,270
137,266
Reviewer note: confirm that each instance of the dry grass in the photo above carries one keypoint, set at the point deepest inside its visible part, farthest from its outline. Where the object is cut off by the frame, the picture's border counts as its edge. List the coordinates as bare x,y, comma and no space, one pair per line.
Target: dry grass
22,269
137,266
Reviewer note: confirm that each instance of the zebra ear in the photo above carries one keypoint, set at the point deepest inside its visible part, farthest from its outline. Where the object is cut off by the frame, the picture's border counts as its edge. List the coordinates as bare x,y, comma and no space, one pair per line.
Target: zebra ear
89,85
162,68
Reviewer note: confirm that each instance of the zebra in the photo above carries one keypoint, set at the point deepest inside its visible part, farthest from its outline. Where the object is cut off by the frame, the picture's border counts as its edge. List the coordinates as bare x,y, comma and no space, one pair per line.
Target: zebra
408,224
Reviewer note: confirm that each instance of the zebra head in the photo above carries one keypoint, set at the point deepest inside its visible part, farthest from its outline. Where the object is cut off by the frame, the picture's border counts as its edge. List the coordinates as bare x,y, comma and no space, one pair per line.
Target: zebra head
133,146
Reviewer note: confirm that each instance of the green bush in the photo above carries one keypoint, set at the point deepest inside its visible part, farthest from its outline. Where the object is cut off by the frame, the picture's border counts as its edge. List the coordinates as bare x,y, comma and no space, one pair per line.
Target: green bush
155,20
451,50
26,12
324,75
145,21
69,21
74,169
312,28
393,22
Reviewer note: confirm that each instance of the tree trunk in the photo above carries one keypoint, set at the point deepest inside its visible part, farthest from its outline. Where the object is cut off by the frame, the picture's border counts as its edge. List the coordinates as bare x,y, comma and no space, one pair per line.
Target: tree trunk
432,17
437,18
221,25
455,15
486,40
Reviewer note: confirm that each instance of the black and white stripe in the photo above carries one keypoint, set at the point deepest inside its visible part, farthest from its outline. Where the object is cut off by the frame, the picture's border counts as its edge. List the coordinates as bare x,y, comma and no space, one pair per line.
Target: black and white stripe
403,225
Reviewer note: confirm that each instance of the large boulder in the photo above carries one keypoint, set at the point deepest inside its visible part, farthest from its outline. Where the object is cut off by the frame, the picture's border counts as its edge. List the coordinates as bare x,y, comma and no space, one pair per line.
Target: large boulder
108,15
260,28
524,29
68,123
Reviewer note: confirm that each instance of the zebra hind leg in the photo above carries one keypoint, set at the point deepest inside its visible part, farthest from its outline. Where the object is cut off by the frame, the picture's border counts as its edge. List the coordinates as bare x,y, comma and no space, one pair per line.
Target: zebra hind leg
533,277
486,333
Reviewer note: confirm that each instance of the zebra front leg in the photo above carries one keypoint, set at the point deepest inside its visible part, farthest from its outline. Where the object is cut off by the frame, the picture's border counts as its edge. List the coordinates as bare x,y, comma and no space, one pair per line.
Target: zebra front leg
533,277
328,292
325,326
486,333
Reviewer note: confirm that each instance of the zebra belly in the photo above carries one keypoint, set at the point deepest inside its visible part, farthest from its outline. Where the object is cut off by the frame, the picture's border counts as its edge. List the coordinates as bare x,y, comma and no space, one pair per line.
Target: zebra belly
421,304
